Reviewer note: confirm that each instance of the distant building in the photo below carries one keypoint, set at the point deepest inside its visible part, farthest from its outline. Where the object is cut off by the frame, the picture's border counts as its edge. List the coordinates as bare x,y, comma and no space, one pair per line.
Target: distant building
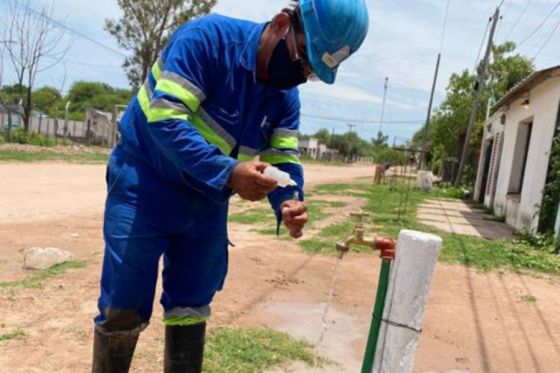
515,150
100,127
309,147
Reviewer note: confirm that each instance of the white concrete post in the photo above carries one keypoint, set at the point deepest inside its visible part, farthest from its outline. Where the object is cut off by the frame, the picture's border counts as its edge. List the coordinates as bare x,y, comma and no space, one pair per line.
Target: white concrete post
407,296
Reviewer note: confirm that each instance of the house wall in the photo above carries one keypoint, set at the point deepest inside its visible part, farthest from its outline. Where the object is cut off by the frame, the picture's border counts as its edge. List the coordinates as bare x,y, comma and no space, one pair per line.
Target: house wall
522,210
491,131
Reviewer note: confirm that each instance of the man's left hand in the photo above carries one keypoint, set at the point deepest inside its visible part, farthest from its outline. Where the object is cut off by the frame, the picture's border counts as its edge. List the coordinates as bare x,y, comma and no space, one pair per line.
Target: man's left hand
294,216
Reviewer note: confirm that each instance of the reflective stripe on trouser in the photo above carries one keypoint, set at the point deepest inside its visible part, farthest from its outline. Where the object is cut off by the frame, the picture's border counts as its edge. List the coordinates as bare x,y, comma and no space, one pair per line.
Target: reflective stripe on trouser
145,217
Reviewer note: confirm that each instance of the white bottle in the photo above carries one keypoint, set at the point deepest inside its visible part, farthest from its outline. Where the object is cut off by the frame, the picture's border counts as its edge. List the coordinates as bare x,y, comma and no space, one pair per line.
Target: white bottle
282,178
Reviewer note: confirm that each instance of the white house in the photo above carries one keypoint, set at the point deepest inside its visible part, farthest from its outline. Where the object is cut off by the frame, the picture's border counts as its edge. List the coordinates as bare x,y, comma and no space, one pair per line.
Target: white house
515,149
309,147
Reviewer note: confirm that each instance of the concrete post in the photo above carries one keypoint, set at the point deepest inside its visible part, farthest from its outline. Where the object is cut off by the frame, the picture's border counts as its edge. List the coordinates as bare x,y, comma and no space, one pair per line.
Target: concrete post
407,296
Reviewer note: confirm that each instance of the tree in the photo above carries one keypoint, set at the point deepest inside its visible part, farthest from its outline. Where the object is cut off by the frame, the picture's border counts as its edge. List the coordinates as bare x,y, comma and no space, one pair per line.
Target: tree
45,98
95,95
323,135
381,140
30,40
451,118
145,28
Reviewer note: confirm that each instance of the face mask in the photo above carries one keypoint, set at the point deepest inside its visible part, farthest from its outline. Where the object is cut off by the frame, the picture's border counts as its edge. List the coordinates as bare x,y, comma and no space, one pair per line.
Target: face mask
283,71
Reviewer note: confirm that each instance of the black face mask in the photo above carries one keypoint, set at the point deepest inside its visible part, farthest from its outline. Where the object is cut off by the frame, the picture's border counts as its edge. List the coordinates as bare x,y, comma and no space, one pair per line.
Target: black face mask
283,71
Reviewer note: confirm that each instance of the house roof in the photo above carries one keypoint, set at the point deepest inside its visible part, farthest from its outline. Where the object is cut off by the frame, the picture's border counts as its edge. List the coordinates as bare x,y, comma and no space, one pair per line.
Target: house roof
527,84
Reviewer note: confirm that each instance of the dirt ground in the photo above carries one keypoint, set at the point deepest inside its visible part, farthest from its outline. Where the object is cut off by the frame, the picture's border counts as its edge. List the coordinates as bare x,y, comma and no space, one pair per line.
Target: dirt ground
474,322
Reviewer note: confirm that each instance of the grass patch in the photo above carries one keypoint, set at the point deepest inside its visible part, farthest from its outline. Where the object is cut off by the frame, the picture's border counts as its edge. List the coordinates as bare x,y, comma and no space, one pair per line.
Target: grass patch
36,280
317,212
530,298
16,334
384,203
252,216
252,350
82,158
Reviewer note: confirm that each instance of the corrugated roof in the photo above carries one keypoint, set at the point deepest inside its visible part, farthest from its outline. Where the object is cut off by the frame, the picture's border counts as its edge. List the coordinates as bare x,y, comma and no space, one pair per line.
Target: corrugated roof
527,84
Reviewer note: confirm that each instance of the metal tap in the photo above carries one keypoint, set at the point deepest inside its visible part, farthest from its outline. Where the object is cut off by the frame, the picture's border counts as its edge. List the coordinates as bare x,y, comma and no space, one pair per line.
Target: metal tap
385,245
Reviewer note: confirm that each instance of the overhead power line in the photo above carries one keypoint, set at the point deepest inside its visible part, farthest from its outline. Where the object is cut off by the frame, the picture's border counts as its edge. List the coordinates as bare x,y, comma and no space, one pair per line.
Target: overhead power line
65,27
518,19
482,43
361,121
547,39
540,25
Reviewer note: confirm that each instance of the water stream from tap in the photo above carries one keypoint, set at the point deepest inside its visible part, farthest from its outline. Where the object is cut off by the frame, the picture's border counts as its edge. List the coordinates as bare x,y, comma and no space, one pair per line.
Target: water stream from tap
326,310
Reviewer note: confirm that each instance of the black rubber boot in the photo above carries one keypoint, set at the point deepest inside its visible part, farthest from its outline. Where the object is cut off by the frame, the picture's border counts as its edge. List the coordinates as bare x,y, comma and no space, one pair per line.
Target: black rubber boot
184,348
113,353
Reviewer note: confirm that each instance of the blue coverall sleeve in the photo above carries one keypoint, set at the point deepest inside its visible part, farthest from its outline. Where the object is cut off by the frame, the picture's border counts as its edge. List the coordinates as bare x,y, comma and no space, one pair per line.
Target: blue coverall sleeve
283,153
182,79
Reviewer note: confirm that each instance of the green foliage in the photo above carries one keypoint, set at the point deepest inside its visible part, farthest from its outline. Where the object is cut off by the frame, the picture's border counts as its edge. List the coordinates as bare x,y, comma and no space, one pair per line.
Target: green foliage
551,194
451,118
252,350
350,145
12,94
145,28
101,96
46,100
21,137
380,140
16,334
36,280
324,136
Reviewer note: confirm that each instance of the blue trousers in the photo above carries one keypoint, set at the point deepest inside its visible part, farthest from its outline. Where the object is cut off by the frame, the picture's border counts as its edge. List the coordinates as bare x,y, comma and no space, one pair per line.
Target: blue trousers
147,217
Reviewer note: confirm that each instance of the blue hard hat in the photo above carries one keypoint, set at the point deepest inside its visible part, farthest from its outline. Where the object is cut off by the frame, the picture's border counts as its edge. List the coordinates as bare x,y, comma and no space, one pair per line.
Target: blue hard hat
334,29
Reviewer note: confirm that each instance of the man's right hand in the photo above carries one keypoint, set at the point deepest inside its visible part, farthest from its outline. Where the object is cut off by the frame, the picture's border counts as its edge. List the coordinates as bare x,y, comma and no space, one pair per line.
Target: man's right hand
249,182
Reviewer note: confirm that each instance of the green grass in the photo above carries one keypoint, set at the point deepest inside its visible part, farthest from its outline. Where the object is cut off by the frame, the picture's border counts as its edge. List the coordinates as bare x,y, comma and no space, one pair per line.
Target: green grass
252,350
36,280
252,216
384,203
86,158
16,334
530,298
317,212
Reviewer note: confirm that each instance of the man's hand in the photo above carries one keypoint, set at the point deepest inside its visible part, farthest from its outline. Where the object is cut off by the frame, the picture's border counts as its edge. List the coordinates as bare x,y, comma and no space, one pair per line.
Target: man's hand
294,215
249,182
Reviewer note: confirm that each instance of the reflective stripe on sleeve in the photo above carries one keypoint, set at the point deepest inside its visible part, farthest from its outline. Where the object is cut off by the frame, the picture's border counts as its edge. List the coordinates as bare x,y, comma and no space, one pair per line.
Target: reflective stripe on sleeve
246,154
274,156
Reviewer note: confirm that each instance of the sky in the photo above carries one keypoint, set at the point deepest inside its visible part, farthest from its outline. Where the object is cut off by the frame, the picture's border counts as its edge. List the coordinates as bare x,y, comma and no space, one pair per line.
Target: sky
403,42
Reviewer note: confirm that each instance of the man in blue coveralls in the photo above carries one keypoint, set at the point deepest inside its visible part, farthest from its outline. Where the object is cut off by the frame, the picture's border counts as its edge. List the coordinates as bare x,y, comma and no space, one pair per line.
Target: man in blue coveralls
222,93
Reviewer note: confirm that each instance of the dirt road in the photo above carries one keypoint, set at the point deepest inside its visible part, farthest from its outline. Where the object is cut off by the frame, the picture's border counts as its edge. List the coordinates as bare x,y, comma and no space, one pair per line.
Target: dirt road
475,322
30,192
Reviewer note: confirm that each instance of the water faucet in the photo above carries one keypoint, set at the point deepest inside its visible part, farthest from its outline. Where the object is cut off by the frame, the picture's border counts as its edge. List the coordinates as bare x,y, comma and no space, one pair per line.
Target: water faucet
385,245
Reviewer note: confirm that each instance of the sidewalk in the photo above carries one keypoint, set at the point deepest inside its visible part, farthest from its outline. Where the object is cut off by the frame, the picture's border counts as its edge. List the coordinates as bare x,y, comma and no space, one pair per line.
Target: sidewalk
457,217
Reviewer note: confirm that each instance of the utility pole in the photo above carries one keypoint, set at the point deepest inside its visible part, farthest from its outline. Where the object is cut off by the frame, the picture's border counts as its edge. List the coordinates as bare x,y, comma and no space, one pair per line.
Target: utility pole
481,80
425,138
383,106
350,126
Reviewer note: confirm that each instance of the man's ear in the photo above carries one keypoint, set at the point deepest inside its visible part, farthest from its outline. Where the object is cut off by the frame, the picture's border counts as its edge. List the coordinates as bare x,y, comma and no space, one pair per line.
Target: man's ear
280,25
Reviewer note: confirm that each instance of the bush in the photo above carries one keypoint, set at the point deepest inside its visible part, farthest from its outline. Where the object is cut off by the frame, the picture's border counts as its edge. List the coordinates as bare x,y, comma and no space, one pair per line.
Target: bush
21,137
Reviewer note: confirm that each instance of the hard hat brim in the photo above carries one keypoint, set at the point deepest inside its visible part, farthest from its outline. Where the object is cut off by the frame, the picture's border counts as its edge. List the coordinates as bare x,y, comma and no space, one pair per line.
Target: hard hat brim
323,72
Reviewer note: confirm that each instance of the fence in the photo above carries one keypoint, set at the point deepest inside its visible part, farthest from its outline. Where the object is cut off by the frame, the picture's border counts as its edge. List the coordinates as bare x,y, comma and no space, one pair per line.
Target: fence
95,132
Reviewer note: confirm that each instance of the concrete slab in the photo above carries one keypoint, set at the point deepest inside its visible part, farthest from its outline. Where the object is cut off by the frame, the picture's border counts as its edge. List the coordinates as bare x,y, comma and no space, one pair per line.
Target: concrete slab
459,218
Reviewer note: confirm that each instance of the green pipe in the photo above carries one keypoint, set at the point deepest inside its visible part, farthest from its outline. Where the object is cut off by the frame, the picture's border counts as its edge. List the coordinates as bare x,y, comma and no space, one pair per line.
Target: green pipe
382,286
